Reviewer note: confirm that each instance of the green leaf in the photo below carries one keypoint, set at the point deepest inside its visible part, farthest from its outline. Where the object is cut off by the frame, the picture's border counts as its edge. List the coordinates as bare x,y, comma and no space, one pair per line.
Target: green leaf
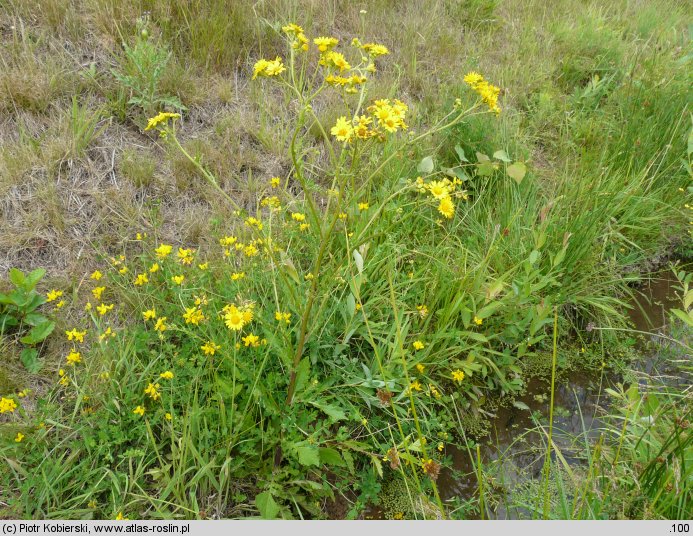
349,461
308,455
330,456
481,157
426,165
358,259
289,265
17,277
502,156
520,405
533,257
686,317
38,333
335,413
29,358
488,310
266,505
517,171
33,278
302,374
460,154
484,169
34,319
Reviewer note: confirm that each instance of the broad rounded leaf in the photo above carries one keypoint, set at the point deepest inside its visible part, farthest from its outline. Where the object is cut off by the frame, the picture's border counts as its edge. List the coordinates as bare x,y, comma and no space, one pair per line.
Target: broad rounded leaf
517,171
426,165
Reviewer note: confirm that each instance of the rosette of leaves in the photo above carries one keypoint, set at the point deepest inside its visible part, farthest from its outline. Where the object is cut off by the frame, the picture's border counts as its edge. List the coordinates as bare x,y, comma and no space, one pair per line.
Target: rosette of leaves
19,316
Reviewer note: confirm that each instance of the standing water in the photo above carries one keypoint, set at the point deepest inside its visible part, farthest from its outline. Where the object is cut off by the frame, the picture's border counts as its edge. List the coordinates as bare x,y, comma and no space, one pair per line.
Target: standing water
515,449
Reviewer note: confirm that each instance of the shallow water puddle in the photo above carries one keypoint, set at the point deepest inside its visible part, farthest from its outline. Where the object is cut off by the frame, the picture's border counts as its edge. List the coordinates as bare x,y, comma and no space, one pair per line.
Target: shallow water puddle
579,401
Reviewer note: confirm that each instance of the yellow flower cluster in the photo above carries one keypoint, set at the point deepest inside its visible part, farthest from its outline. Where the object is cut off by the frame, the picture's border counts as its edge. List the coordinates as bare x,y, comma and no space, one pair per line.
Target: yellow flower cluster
299,41
235,318
488,92
388,117
7,405
161,119
443,191
193,315
268,68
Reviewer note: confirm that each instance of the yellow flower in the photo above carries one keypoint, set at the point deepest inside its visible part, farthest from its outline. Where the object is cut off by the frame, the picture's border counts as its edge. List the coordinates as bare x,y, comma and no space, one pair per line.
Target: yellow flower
73,357
251,340
363,129
154,268
233,318
19,437
298,216
458,375
178,279
161,324
153,391
423,310
7,405
168,416
363,206
488,92
163,251
149,314
304,226
87,306
60,304
210,348
91,504
446,207
415,386
282,317
478,321
268,67
342,130
274,182
96,275
292,28
108,333
23,393
193,315
336,60
420,368
75,335
185,256
248,315
250,250
141,279
168,375
235,276
325,43
97,292
375,50
439,189
64,380
418,345
342,216
309,277
103,308
203,266
227,241
120,516
140,236
123,270
139,410
161,118
473,78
